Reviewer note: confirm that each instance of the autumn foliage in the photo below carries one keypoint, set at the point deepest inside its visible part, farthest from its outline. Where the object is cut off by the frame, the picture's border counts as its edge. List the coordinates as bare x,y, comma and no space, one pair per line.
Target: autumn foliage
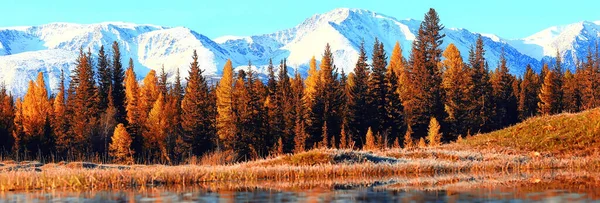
433,96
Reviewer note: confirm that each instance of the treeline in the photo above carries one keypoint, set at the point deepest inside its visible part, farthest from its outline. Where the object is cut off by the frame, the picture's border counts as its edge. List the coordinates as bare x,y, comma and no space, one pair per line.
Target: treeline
391,102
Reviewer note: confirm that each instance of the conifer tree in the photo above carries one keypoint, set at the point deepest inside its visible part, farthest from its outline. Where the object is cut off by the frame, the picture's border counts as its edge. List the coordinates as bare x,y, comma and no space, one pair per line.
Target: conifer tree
377,90
455,83
196,120
120,147
274,114
408,140
149,92
60,122
434,136
157,126
83,105
422,143
311,83
394,120
285,104
558,80
370,140
544,71
248,140
34,116
135,115
480,91
528,97
7,116
300,111
178,90
590,82
225,116
426,78
162,82
548,103
104,78
358,115
118,90
300,137
17,128
177,145
328,100
107,124
505,102
343,138
572,94
325,137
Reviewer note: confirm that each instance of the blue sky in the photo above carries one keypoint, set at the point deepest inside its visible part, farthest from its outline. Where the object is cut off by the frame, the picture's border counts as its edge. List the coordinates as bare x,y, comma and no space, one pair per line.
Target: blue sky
506,18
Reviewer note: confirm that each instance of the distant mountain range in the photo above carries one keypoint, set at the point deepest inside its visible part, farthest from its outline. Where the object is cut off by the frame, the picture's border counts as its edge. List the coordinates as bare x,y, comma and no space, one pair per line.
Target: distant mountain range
24,51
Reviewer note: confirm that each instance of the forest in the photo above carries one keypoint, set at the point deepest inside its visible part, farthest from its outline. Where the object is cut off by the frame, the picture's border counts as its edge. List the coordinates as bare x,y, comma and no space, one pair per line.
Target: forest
430,97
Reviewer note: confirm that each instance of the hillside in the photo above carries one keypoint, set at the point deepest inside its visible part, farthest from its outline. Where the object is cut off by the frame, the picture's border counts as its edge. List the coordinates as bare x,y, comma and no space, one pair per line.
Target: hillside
563,135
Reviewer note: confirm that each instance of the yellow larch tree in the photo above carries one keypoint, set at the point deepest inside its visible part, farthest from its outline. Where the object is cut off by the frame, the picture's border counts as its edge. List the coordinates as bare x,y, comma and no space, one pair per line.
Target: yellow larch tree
225,116
120,147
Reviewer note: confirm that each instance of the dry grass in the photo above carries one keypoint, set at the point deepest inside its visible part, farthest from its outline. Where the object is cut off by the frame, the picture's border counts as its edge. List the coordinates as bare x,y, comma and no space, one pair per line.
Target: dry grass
563,135
317,164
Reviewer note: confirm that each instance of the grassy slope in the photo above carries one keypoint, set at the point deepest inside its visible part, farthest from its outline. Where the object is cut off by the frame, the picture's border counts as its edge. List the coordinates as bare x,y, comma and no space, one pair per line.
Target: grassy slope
560,135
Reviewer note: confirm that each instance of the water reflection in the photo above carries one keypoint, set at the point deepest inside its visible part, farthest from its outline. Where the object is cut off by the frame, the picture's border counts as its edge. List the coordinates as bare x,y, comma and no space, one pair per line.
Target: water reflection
546,186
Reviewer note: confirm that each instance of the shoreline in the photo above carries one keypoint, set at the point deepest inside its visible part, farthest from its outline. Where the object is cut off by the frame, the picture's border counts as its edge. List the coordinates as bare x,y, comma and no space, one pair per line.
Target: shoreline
321,164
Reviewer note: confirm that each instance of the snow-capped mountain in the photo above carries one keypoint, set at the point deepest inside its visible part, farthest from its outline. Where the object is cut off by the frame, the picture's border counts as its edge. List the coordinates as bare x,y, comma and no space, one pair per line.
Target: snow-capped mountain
344,29
572,41
24,51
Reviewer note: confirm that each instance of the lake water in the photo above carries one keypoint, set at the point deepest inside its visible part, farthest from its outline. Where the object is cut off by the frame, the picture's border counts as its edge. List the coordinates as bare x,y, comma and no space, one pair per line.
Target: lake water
259,195
538,187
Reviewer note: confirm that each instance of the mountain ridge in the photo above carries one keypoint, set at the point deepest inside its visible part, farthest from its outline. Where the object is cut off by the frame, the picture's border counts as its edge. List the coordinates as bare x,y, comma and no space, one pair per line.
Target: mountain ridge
154,46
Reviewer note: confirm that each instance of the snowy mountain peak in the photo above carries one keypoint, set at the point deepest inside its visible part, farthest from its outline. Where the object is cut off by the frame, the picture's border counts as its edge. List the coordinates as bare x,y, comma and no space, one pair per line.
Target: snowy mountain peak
48,48
572,41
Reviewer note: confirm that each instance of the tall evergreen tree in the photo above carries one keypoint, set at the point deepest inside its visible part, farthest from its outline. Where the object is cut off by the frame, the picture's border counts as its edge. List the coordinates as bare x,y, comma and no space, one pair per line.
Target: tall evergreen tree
7,116
505,101
83,106
162,82
300,135
480,91
196,119
548,103
528,97
285,103
327,101
558,80
377,90
358,115
104,79
60,122
118,90
590,82
426,98
572,94
274,112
